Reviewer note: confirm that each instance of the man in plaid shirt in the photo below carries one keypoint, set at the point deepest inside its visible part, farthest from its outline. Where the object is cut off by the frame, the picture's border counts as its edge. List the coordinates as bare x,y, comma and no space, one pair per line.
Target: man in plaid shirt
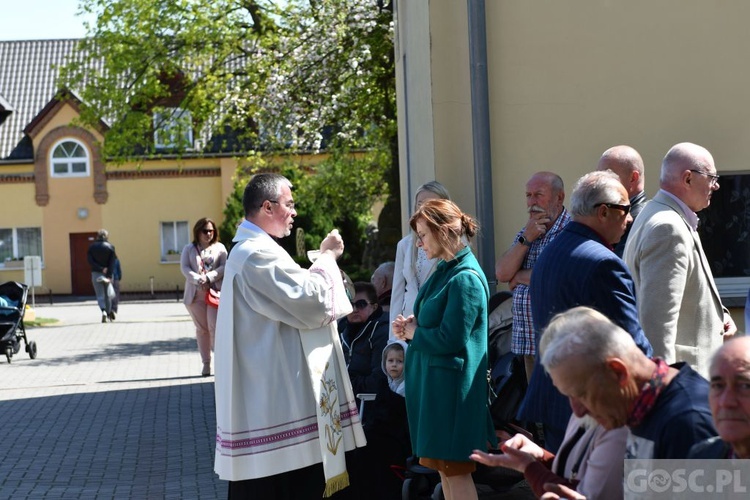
545,194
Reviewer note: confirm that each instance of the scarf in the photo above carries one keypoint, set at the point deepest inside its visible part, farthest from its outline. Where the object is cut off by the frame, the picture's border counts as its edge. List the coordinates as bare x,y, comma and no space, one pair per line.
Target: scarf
324,363
649,394
330,384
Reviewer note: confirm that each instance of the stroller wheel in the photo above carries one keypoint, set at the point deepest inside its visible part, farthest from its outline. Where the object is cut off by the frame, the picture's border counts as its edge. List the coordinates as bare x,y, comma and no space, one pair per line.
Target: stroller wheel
31,349
9,353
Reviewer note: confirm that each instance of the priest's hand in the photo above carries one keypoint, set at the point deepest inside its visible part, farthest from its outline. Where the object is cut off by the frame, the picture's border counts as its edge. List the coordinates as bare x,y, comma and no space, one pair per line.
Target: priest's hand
333,244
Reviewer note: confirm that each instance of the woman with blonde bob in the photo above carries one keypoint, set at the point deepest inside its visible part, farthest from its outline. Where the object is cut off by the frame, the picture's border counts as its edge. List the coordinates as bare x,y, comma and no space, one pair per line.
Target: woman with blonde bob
446,363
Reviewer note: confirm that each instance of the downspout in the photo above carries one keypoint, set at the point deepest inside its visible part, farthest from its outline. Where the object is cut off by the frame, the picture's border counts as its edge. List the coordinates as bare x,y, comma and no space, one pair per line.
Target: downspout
480,122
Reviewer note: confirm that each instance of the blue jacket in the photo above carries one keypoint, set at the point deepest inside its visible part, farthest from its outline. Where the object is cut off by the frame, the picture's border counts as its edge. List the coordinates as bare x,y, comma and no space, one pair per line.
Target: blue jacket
575,269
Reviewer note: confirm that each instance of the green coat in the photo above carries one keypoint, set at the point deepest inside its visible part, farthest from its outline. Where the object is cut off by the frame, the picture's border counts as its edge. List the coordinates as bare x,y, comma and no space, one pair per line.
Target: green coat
446,363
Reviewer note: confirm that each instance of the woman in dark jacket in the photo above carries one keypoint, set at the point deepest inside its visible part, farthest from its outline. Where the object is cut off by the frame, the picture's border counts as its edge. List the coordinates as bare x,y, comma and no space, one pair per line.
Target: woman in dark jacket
364,333
446,363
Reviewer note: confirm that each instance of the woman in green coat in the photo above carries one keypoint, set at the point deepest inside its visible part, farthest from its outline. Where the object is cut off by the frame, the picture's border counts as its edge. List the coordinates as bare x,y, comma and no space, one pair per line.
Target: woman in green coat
446,363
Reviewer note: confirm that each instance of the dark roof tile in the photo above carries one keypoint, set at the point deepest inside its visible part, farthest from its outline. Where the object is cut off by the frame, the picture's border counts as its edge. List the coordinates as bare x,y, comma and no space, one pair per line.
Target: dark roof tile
28,81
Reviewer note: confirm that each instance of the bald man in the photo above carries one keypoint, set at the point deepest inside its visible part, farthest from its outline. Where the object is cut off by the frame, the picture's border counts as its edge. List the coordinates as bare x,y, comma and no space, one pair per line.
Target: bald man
628,165
678,302
729,399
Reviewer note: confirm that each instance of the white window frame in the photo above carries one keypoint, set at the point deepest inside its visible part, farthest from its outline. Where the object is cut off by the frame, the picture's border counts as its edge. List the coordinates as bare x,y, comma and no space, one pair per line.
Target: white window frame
15,251
179,242
173,128
68,161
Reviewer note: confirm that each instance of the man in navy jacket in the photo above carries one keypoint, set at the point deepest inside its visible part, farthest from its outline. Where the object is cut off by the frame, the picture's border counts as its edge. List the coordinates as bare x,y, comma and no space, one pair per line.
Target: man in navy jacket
579,268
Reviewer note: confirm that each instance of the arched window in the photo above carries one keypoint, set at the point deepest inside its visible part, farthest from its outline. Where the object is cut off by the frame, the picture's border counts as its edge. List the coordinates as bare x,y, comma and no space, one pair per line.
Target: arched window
70,158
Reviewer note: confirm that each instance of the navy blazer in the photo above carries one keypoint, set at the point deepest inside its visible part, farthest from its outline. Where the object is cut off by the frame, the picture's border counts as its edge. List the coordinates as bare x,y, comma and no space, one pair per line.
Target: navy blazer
575,269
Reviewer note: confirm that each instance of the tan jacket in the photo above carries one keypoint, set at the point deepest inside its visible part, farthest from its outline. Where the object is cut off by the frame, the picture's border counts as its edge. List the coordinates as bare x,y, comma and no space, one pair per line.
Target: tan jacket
678,303
191,268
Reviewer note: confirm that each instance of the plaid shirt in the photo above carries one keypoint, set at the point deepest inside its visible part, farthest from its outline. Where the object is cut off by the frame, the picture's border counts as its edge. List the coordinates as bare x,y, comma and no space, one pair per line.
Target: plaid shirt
523,328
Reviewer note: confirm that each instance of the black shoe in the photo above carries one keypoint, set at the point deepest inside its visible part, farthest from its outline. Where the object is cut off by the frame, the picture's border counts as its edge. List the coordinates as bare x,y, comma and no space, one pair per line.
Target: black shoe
111,316
104,316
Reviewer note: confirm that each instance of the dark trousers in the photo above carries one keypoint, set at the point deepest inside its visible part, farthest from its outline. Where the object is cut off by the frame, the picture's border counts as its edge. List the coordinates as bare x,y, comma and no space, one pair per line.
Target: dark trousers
300,484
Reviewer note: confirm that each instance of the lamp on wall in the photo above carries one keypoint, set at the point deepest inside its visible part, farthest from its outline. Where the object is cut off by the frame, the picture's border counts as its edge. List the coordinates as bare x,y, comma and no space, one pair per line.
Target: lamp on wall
83,212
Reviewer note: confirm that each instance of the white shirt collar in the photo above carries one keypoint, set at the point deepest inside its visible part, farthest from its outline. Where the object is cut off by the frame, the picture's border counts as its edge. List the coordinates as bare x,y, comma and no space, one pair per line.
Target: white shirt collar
690,216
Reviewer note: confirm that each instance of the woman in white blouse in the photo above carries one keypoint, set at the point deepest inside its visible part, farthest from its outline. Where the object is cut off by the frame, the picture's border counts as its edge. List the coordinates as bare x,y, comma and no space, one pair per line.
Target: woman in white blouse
412,265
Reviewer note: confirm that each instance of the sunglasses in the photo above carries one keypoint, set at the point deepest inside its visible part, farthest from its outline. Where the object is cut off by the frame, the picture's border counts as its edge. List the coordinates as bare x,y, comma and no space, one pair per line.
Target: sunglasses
360,304
615,206
207,231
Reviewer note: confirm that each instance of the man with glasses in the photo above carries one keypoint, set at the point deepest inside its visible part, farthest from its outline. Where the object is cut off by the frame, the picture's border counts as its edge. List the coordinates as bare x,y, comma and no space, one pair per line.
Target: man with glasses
285,411
579,268
678,302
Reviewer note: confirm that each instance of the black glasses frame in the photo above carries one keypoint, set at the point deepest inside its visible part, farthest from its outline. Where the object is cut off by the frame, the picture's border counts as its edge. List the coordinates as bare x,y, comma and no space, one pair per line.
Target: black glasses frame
624,208
714,178
289,205
360,304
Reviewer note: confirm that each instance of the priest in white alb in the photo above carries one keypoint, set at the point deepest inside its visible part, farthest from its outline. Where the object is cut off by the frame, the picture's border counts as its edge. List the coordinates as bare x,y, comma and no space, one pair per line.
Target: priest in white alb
285,411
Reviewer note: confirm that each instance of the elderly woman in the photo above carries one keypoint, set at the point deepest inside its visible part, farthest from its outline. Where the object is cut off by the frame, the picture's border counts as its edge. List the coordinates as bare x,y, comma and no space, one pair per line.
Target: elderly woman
446,363
202,263
412,266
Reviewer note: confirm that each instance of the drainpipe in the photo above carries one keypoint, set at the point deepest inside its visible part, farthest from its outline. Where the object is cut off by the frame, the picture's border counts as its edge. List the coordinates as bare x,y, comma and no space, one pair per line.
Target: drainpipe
480,121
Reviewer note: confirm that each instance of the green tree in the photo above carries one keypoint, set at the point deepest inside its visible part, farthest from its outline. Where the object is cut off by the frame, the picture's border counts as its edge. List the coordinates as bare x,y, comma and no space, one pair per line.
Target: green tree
321,193
302,75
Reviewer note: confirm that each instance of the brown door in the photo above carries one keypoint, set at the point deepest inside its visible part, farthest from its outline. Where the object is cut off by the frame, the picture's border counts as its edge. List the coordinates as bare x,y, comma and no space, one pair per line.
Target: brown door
80,271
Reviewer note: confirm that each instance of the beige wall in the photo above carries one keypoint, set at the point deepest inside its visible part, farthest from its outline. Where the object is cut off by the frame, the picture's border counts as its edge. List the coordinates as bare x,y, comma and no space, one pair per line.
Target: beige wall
569,79
133,215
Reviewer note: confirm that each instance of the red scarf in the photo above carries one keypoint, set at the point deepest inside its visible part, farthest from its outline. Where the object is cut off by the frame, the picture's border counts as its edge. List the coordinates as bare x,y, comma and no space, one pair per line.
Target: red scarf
649,394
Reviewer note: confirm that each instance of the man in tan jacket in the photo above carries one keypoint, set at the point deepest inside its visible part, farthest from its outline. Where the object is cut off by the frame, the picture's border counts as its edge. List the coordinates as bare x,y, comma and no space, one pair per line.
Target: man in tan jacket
678,303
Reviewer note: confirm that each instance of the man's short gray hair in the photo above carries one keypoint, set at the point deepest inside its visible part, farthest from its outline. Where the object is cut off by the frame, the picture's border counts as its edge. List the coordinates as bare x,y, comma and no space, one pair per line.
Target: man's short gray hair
262,187
102,235
593,188
586,335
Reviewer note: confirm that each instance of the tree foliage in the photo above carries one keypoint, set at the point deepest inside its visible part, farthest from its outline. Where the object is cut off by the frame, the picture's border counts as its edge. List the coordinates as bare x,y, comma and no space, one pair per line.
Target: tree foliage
260,75
320,194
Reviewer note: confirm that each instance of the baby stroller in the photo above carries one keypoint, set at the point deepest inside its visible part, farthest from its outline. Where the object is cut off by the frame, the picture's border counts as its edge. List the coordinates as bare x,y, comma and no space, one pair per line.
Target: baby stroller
12,308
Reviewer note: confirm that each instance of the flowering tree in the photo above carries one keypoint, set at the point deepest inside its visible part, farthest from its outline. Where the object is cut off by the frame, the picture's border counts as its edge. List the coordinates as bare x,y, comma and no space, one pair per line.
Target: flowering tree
250,75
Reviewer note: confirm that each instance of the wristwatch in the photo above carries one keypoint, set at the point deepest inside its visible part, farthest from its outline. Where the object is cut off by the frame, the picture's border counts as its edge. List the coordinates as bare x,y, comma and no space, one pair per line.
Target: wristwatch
524,241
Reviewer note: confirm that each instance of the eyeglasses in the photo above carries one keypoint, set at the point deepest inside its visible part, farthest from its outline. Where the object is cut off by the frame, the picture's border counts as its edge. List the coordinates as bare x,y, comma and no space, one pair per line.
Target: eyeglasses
624,208
289,205
714,178
360,304
207,231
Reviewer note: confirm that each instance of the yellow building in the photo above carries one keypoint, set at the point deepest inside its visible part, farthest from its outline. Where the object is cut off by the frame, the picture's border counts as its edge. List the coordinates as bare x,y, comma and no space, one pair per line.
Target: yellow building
57,190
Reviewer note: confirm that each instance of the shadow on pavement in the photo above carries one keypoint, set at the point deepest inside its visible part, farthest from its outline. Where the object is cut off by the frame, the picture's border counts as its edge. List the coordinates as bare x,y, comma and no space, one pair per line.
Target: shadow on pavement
140,443
184,344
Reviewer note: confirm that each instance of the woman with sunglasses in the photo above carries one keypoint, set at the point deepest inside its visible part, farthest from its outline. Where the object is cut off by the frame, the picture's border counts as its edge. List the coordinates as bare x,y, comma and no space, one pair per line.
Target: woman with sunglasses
446,363
202,263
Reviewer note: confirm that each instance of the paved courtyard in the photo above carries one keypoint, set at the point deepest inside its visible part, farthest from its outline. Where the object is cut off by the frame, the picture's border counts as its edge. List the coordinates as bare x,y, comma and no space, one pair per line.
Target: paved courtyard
114,410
